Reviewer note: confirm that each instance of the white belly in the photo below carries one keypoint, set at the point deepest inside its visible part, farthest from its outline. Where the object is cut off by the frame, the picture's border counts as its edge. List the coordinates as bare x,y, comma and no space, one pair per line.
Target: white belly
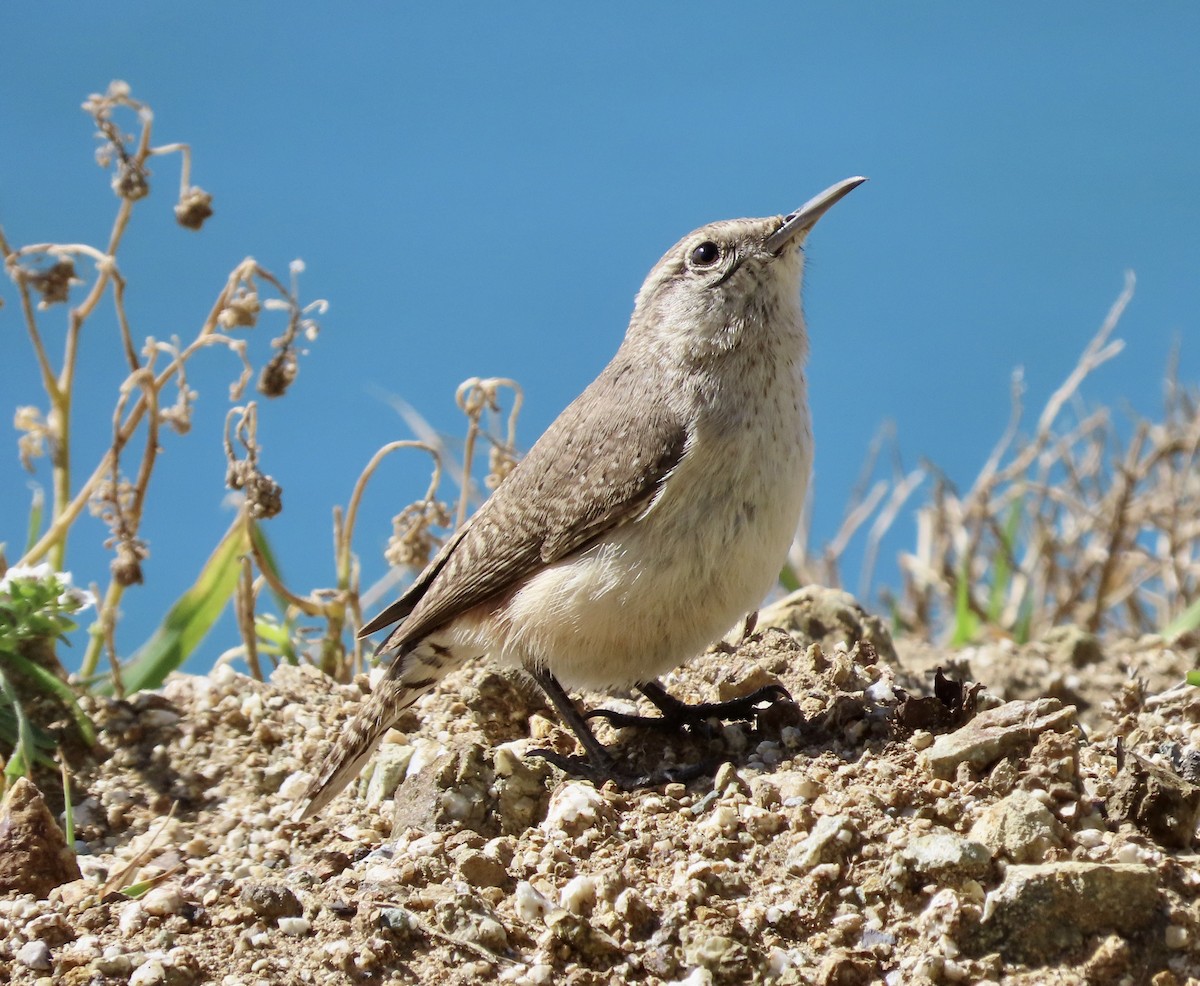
659,590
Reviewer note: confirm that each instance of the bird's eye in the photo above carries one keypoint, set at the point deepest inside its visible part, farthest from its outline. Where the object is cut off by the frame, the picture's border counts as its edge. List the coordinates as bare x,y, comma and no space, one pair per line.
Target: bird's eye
705,254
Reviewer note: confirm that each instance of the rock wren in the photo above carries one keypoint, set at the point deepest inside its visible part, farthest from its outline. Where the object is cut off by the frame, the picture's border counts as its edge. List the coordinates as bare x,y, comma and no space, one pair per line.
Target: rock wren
654,513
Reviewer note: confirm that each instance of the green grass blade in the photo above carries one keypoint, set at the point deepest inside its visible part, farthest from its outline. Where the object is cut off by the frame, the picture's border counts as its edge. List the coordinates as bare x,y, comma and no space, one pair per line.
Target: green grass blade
1185,622
20,764
51,683
266,555
190,619
1002,564
966,623
37,510
68,808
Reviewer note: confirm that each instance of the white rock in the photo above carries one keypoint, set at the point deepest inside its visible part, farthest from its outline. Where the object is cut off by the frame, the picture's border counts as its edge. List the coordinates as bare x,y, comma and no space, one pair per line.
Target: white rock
156,718
777,961
150,973
574,808
579,895
222,674
818,843
426,845
1175,937
529,904
424,753
294,785
34,955
389,769
722,820
252,707
1019,827
132,918
1131,853
697,977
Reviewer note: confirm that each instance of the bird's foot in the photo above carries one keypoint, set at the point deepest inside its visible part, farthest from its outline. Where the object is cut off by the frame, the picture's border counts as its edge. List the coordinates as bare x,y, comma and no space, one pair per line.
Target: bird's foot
677,715
606,771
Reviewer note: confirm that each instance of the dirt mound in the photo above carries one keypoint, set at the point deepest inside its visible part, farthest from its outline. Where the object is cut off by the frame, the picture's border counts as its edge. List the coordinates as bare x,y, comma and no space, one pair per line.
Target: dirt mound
842,843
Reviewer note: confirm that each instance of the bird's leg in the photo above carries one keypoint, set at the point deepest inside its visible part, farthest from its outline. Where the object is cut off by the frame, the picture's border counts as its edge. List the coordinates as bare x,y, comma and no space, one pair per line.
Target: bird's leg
569,714
598,766
676,714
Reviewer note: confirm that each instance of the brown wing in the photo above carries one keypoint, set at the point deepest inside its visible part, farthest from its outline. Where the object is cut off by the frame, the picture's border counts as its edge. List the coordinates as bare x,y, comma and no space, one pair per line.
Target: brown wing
598,465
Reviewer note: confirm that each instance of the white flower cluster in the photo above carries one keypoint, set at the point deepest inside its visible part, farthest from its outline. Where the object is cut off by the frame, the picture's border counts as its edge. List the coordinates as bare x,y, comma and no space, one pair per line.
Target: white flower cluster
71,598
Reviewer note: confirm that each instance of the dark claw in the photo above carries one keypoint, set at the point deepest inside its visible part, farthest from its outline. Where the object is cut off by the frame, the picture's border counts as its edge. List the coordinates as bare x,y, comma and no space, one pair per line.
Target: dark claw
623,720
742,708
585,769
598,766
678,715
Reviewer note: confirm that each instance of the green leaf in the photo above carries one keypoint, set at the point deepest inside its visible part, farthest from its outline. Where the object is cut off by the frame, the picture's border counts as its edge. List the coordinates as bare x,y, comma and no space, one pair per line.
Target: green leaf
136,890
190,619
787,579
1193,677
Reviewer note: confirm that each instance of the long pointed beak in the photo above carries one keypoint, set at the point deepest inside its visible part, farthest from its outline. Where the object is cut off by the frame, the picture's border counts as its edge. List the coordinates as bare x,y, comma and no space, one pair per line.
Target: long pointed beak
804,218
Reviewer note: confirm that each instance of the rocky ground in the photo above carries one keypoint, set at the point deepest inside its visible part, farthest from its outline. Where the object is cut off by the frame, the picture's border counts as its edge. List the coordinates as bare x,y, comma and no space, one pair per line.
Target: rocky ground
1037,831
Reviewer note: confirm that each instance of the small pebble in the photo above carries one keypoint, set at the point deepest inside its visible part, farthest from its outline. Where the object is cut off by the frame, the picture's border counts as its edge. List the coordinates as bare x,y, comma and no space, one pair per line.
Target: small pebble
270,900
294,785
164,900
1175,937
296,927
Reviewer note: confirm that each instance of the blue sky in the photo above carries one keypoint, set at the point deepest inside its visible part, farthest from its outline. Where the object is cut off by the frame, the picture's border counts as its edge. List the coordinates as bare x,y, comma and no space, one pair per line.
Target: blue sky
480,191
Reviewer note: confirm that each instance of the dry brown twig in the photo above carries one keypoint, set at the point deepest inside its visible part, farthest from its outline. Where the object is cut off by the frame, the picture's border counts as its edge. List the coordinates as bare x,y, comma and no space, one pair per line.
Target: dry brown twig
1103,531
1088,520
47,272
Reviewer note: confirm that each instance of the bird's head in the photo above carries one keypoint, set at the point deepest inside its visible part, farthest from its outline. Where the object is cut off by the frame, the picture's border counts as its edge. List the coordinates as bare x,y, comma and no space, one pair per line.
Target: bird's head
719,287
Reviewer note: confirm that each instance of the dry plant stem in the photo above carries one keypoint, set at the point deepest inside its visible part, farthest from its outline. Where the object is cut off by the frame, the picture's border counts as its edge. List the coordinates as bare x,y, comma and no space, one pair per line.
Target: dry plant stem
308,607
1106,533
114,662
347,592
343,544
59,388
244,601
474,396
129,522
347,596
49,378
901,491
185,163
1125,482
117,880
208,335
855,518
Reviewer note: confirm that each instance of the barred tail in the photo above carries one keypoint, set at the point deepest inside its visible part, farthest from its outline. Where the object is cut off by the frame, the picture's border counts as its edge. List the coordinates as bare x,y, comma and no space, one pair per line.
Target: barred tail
407,680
